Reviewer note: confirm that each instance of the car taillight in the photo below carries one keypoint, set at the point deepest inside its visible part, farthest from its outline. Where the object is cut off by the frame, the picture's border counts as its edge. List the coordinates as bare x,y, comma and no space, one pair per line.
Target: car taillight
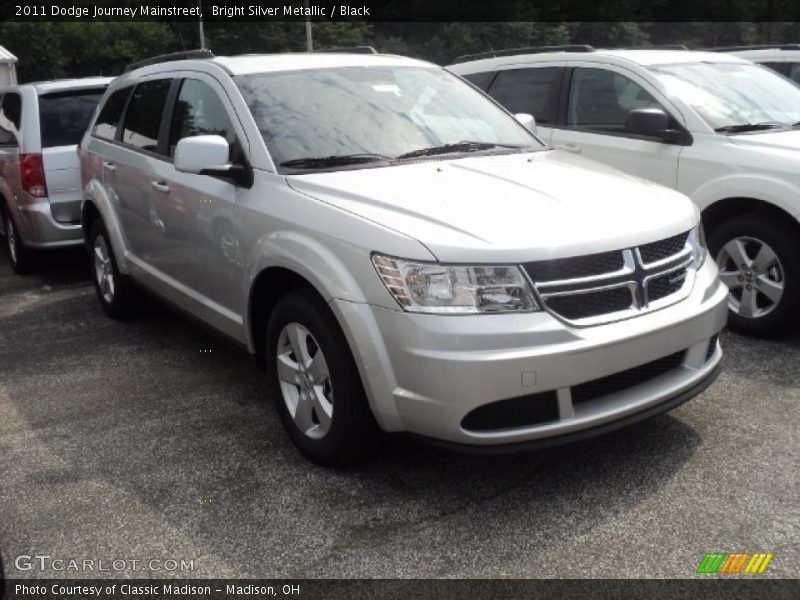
31,172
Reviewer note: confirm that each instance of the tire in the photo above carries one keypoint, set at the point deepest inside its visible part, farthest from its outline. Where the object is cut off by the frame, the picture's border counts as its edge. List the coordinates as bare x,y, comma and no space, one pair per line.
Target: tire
22,259
115,291
759,260
332,425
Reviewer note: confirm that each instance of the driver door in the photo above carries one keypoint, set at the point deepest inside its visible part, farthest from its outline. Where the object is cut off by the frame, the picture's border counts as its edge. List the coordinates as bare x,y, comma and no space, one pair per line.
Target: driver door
597,106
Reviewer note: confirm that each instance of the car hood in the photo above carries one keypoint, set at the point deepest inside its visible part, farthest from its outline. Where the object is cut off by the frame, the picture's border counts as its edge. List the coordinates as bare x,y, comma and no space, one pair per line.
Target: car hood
509,208
788,140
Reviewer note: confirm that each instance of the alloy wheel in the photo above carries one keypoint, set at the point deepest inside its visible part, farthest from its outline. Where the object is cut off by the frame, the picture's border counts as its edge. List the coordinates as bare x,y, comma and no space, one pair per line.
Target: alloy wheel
103,270
305,381
11,239
754,274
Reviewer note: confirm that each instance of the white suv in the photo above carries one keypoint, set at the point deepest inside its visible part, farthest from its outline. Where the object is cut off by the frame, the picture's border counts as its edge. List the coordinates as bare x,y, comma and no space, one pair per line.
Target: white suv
40,183
398,250
716,127
783,58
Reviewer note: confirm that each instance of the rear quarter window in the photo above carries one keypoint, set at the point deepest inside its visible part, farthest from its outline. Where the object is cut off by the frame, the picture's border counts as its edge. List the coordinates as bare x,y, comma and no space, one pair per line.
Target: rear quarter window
64,116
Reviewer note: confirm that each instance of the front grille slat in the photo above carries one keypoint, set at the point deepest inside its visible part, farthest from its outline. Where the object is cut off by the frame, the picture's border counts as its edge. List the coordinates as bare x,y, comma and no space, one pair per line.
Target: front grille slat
576,267
585,289
624,380
665,285
581,306
662,249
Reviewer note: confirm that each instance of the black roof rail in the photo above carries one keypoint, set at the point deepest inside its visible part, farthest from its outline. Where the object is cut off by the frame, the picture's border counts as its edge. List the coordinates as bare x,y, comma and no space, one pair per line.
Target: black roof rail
186,55
531,50
352,50
757,47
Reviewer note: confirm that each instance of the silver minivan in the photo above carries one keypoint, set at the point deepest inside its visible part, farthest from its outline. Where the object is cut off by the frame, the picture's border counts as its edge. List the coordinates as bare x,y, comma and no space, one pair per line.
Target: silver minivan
40,127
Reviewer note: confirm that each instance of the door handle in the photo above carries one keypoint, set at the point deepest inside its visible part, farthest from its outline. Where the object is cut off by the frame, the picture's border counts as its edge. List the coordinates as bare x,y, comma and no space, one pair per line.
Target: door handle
160,186
109,166
569,148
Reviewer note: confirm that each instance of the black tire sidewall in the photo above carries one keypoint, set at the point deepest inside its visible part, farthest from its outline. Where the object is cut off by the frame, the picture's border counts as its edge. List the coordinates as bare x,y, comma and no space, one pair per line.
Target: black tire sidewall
352,428
783,240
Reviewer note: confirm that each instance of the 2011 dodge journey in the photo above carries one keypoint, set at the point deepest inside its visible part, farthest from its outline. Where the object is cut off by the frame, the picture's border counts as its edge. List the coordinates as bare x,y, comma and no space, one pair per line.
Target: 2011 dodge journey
400,252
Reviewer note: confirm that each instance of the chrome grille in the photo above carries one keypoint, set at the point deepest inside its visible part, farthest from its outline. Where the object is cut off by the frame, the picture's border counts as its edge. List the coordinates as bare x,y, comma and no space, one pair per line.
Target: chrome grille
609,286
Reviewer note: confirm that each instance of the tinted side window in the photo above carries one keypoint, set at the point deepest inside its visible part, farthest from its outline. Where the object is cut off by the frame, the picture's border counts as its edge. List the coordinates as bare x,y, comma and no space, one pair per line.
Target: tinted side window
64,117
601,100
794,72
480,80
111,114
143,117
199,111
533,91
10,119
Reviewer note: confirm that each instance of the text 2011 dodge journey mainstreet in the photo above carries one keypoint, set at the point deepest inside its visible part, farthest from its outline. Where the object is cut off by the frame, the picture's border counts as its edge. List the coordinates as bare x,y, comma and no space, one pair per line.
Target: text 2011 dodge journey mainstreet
400,252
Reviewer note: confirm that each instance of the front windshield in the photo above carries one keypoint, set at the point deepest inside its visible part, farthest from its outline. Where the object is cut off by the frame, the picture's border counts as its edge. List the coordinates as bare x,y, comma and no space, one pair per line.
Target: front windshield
730,95
375,111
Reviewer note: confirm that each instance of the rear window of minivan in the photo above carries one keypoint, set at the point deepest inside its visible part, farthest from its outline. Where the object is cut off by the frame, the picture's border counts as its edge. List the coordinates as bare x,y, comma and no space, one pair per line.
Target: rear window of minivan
64,116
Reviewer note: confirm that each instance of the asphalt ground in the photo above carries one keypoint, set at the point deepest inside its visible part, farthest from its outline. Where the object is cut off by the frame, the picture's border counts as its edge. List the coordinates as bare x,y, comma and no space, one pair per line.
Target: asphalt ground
153,439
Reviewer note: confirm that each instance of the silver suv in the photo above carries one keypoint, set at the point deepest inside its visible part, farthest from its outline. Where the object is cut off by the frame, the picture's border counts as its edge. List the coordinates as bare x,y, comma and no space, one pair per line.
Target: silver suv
400,252
40,127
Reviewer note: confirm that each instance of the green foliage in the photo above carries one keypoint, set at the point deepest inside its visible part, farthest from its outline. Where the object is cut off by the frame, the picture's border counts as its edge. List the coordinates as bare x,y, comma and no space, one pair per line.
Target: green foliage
70,49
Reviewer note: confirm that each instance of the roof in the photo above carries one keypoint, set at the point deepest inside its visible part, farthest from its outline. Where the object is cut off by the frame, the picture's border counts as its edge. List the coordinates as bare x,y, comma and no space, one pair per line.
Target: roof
766,52
645,57
57,85
6,56
261,63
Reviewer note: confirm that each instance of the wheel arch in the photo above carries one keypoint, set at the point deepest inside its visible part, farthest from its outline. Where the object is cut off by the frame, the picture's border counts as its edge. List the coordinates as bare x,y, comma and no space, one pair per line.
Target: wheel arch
721,210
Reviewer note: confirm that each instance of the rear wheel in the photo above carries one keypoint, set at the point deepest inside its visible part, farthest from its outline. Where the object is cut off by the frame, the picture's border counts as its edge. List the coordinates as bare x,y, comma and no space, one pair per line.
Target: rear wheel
22,258
115,291
759,260
315,382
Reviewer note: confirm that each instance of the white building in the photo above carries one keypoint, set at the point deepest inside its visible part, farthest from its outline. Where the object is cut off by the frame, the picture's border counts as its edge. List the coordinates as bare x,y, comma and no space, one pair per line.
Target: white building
8,68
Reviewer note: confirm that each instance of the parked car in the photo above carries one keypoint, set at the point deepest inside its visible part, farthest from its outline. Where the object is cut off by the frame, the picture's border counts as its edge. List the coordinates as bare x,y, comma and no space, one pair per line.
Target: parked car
716,127
40,127
783,58
398,251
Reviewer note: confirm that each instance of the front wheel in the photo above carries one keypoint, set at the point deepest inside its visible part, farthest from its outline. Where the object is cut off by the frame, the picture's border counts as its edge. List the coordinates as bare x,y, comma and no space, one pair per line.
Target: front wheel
315,382
759,260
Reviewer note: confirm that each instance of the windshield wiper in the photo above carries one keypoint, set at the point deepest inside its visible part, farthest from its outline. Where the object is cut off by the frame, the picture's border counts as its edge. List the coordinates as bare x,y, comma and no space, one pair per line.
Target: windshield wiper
465,146
339,160
745,127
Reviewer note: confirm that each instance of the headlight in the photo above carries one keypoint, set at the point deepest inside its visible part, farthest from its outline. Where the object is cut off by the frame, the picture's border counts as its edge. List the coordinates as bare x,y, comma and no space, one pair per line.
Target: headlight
697,240
455,289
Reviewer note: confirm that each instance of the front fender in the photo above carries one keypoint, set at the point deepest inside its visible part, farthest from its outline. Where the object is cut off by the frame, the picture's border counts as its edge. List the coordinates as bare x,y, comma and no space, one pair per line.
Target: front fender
776,191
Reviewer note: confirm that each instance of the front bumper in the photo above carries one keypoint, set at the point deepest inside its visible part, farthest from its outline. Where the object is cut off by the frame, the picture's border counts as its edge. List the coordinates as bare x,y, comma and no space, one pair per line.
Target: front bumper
40,230
424,374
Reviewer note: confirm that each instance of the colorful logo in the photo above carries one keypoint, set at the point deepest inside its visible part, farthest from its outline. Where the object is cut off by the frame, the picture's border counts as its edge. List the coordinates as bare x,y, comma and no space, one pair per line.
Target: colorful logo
734,562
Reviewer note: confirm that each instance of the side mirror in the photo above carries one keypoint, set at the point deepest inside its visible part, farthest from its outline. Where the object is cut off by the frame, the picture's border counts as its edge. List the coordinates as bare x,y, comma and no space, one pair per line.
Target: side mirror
527,121
202,153
208,155
651,121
